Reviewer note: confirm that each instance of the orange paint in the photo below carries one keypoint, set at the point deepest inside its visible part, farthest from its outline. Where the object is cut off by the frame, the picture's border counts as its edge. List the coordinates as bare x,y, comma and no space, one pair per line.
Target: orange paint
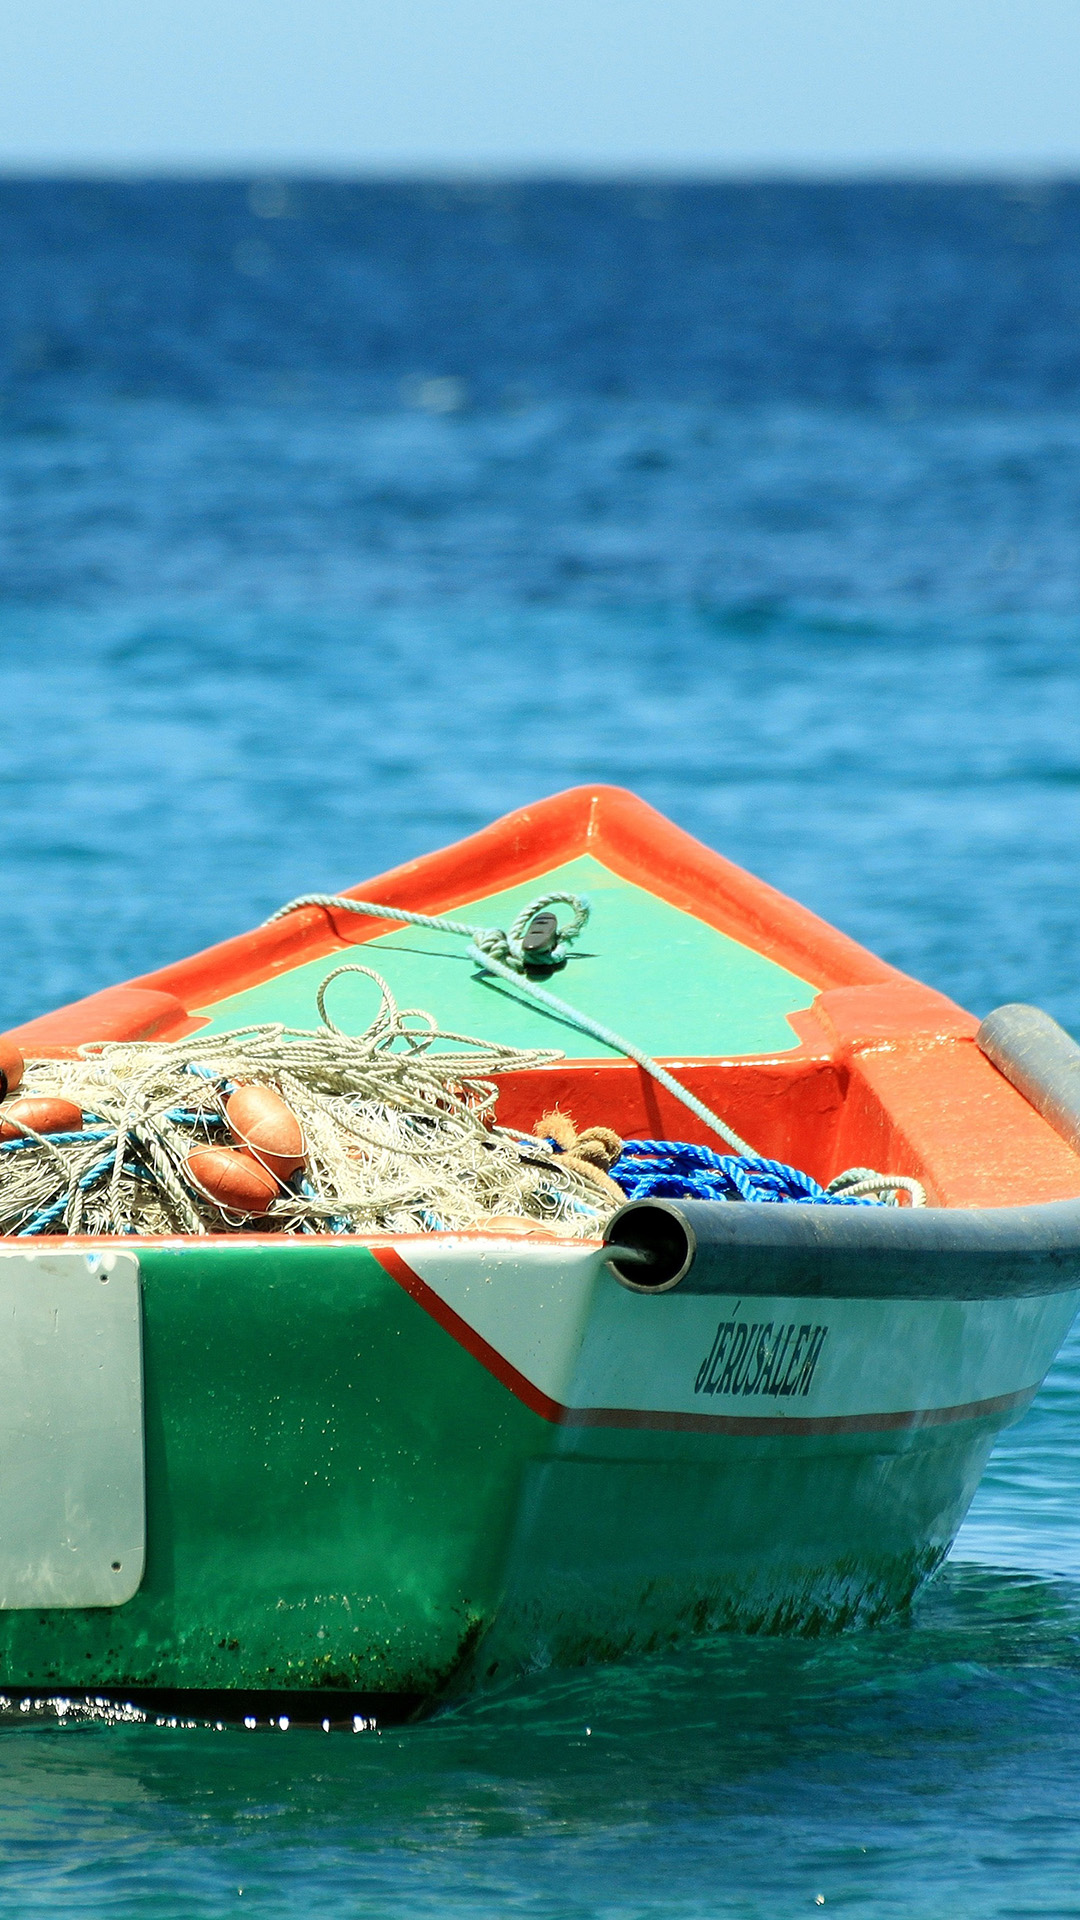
512,1224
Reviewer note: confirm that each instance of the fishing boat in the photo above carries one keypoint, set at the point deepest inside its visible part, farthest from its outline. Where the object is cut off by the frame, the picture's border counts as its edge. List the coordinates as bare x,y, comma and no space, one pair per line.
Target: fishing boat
364,1467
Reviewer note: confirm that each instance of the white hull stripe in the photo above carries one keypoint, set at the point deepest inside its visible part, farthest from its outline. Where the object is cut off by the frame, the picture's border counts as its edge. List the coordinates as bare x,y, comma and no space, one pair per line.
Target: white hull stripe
673,1421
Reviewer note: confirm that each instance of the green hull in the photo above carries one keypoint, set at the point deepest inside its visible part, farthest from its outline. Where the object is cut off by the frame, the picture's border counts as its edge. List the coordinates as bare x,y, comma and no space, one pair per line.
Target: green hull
339,1495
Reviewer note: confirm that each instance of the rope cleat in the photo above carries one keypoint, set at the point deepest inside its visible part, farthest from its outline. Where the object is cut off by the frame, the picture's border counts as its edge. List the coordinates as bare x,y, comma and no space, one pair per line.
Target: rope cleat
540,939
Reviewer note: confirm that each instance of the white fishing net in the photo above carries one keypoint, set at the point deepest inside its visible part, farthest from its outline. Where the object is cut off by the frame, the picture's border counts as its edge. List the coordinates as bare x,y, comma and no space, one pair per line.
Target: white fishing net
398,1122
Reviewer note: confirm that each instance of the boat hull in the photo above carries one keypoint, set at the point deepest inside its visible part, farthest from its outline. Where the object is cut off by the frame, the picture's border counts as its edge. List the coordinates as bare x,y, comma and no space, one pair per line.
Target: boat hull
372,1467
376,1468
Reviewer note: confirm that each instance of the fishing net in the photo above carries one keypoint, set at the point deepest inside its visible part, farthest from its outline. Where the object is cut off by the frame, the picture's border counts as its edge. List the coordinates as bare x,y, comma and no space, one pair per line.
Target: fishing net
398,1123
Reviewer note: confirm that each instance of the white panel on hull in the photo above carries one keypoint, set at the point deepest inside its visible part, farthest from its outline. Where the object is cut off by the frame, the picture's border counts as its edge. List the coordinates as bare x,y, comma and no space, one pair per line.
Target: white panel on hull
72,1496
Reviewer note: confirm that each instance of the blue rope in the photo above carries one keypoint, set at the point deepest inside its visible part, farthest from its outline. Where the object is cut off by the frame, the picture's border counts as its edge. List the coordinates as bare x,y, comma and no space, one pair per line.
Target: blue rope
45,1216
57,1139
679,1170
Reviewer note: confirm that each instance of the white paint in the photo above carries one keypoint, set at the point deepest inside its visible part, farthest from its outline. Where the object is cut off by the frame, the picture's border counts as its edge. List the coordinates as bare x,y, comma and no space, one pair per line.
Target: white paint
532,1303
560,1318
72,1496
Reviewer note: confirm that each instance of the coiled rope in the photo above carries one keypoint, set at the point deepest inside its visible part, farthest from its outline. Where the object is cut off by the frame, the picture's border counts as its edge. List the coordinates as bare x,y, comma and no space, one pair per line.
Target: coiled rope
503,953
681,1170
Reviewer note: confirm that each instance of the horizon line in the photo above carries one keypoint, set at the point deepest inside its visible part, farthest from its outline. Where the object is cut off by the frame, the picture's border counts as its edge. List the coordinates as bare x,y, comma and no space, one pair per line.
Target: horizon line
245,170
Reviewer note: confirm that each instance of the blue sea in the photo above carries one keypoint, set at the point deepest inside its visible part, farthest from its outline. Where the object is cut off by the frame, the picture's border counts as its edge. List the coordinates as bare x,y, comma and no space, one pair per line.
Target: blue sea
340,518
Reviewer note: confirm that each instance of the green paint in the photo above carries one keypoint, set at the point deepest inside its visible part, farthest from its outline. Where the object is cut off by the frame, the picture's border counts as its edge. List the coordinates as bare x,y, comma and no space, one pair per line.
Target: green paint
338,1495
618,1555
669,982
331,1482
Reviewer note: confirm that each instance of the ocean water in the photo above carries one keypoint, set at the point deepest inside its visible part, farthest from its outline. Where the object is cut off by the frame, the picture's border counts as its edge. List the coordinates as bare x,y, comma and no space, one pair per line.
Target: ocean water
337,520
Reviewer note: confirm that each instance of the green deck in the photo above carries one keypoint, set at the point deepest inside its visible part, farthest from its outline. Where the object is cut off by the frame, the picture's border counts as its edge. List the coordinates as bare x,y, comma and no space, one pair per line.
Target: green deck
665,979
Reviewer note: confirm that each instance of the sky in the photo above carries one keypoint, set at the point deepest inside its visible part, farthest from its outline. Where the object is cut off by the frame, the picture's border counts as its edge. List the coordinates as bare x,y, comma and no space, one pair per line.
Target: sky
540,86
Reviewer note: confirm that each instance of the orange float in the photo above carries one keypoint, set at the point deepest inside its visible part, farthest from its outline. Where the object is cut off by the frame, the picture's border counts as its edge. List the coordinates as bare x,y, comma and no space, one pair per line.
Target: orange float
41,1114
11,1067
233,1179
267,1126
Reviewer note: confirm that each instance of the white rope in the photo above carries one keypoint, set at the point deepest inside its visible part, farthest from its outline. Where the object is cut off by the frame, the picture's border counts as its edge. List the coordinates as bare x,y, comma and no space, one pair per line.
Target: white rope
501,953
620,1045
501,944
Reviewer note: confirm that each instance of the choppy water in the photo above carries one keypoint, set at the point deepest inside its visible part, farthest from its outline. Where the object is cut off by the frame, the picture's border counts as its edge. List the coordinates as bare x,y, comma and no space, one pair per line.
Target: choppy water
337,521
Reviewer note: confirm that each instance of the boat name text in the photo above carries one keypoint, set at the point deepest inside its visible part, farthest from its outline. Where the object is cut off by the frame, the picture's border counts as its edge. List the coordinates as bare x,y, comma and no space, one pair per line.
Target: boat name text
763,1358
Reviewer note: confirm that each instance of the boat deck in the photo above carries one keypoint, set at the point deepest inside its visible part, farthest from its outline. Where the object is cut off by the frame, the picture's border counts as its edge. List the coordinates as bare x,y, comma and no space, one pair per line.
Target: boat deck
660,975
